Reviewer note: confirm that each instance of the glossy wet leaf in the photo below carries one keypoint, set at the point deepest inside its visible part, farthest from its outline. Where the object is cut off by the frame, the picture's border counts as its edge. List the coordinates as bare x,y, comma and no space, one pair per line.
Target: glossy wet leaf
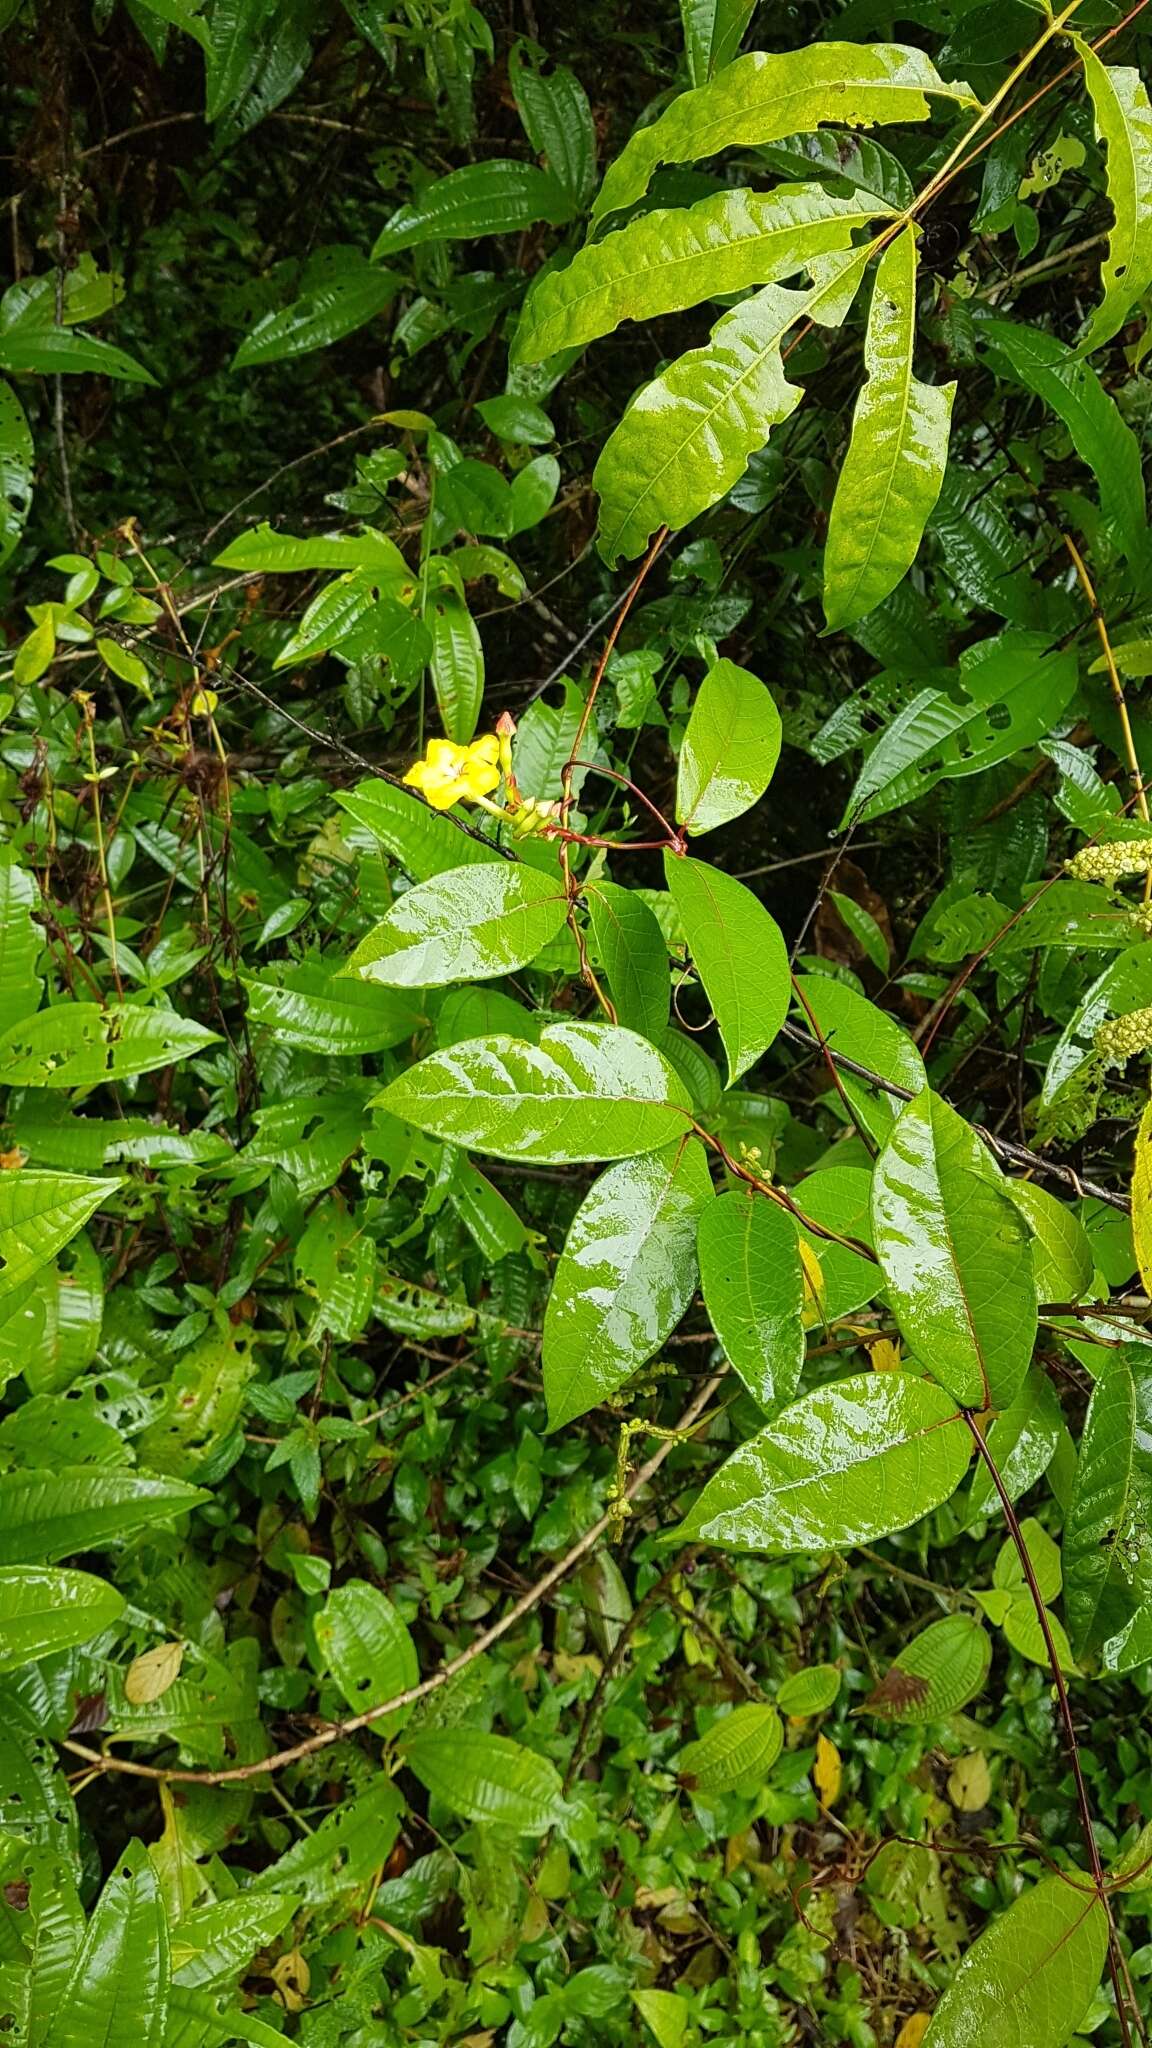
65,351
678,256
488,1778
840,1198
395,821
310,1006
937,1673
712,34
1142,1197
955,1253
77,1045
584,1091
632,951
1125,985
1062,1261
44,1611
457,663
753,1286
557,119
738,953
474,922
1030,1978
729,751
202,1405
761,98
627,1273
738,1750
50,1326
367,1648
846,1463
39,1214
892,473
60,1512
1022,1440
1108,1529
849,1024
119,1985
17,470
498,197
1123,120
263,551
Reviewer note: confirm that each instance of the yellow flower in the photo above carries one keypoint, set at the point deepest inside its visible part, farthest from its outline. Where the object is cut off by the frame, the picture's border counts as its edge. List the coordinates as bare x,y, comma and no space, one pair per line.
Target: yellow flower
450,774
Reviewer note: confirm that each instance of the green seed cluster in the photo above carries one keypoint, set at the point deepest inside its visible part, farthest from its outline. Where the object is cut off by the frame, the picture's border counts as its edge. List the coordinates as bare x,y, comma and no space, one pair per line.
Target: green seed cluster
1112,862
1121,1037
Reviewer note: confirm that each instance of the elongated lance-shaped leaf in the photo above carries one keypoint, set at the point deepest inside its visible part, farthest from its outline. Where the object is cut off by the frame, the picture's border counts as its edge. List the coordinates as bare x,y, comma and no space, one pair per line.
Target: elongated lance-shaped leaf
1100,436
956,1254
761,98
17,470
844,1464
1108,1530
1124,124
498,197
678,256
895,462
625,1277
1029,1980
119,1985
712,34
687,436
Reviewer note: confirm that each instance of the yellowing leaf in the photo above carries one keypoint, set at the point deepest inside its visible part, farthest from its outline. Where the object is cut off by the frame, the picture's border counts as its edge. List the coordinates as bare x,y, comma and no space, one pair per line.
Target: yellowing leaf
827,1771
885,1356
970,1783
150,1675
1142,1198
913,2031
292,1978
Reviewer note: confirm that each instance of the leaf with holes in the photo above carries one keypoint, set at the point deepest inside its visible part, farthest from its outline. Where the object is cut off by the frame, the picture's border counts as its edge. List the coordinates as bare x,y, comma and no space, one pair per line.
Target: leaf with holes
39,1214
367,1648
1123,116
44,1611
78,1045
488,1778
119,1985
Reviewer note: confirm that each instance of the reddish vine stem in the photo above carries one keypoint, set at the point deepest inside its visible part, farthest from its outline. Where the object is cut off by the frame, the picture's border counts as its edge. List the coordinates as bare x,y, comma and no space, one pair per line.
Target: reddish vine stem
1115,1959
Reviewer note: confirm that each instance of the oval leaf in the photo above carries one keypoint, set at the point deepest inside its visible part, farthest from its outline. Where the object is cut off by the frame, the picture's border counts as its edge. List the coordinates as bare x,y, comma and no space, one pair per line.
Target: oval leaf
956,1255
43,1611
625,1276
740,1749
753,1285
488,1778
1031,1977
939,1672
738,953
846,1463
730,749
367,1648
473,923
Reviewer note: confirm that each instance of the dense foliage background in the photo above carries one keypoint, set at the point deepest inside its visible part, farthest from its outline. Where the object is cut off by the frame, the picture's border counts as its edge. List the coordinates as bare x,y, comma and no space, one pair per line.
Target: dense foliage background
317,1403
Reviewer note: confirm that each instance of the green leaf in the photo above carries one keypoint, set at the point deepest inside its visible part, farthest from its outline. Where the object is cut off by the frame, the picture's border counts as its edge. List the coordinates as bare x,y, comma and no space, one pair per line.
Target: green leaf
1125,985
310,1006
845,1464
762,98
1099,434
65,351
849,1024
473,923
343,1853
585,1091
348,300
17,470
1016,686
687,436
631,949
213,1944
39,1214
367,1648
941,1669
457,662
753,1285
263,552
424,841
625,1276
811,1691
894,467
43,1611
498,197
526,426
1108,1527
739,954
713,30
730,749
666,2013
53,1514
119,1984
21,941
678,256
557,119
840,1197
336,614
1022,1440
1124,124
78,1045
1032,1975
488,1778
955,1252
740,1749
50,1327
1062,1260
203,1403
